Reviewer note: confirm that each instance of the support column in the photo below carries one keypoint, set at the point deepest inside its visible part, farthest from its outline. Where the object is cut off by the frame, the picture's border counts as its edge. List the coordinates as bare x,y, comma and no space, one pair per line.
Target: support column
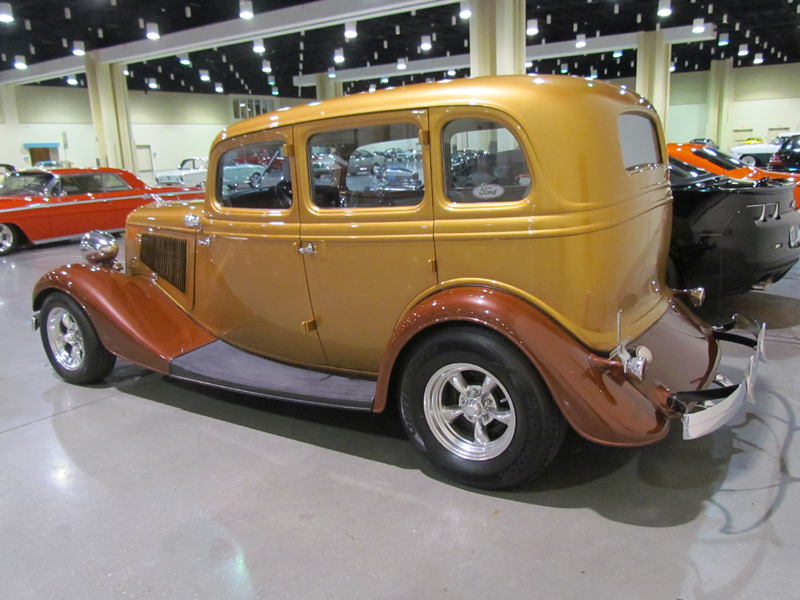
108,97
719,99
652,71
497,38
328,88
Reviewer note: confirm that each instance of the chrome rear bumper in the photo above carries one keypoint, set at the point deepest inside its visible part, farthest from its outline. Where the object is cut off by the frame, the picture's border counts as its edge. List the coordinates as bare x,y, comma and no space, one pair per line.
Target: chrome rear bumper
707,410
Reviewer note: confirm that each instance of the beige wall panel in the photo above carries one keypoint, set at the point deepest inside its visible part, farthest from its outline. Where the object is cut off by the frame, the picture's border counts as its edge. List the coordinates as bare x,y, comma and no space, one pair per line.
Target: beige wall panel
689,88
767,82
168,107
39,104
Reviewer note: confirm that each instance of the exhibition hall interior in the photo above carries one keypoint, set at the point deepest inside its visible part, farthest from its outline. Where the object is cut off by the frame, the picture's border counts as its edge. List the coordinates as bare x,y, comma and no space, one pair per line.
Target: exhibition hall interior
400,299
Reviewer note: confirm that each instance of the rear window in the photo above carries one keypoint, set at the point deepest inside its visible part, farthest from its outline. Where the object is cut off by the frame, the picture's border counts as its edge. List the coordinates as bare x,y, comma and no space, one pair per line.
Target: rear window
638,140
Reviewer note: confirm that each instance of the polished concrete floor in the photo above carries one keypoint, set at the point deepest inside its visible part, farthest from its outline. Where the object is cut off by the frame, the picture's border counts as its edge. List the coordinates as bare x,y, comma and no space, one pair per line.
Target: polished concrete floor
143,487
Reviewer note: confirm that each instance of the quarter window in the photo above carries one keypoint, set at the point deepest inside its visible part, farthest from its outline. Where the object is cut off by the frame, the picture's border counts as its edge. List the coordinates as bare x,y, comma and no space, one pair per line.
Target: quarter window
638,140
113,183
367,167
483,162
256,176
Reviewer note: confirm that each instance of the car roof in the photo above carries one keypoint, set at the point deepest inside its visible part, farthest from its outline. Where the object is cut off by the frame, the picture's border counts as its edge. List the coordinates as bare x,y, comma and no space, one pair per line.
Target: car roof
511,93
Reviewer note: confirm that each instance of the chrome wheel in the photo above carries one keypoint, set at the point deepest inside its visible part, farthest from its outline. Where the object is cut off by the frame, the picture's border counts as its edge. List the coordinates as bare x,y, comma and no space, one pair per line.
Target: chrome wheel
8,238
65,339
469,411
750,161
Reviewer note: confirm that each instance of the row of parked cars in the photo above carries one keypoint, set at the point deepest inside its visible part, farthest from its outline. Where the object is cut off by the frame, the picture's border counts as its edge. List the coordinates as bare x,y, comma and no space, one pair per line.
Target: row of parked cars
509,288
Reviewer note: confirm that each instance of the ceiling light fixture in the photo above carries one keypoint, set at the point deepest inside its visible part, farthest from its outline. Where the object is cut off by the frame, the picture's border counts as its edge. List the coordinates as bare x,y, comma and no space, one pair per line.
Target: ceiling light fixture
759,58
125,70
466,11
152,83
671,67
266,66
332,73
698,26
580,41
204,76
664,9
724,40
350,30
384,80
338,56
259,47
425,44
245,9
19,62
271,80
78,48
532,27
274,91
372,87
401,64
184,60
218,87
743,50
617,54
6,14
451,73
72,80
151,31
565,68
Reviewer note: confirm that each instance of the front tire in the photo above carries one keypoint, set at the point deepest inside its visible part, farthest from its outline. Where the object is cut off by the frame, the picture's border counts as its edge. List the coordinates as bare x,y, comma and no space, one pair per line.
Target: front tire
9,238
71,341
477,410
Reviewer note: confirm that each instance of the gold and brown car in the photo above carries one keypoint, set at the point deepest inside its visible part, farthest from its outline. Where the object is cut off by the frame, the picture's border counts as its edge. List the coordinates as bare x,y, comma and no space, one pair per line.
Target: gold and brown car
504,287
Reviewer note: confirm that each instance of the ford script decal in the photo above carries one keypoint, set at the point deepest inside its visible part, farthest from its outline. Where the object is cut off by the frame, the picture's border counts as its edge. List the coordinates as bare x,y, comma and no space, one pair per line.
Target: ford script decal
488,191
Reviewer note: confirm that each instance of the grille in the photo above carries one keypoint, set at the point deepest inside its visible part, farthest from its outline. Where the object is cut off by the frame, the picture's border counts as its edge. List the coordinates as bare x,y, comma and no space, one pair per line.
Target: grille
165,256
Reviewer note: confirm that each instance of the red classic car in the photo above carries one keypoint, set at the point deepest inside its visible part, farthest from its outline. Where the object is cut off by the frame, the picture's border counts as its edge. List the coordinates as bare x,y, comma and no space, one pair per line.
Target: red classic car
46,205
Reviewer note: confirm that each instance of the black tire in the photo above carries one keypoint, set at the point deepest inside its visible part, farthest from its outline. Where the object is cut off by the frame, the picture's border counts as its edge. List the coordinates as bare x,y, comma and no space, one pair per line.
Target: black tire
673,275
9,238
71,341
749,160
376,169
443,423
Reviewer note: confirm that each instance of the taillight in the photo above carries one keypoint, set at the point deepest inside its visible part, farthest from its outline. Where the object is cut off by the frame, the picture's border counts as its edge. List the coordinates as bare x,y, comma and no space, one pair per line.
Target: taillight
775,161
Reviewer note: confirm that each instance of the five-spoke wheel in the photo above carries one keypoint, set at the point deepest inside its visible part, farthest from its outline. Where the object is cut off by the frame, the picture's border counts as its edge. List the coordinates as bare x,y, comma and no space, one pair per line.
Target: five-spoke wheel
477,409
71,342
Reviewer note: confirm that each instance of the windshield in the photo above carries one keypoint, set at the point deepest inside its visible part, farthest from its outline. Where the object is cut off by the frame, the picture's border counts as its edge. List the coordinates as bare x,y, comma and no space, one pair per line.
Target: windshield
26,184
718,158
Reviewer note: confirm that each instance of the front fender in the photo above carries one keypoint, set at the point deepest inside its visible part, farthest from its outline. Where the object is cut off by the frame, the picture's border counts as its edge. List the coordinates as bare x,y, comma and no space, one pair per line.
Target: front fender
602,406
134,318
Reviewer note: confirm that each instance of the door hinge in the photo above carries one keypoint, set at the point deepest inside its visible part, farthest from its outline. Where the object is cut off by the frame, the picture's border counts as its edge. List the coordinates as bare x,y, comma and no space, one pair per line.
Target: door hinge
309,326
424,137
288,149
432,266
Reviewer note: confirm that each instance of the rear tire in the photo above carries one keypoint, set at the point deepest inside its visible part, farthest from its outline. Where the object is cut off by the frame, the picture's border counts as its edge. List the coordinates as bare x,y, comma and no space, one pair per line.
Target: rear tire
477,410
749,160
71,342
9,238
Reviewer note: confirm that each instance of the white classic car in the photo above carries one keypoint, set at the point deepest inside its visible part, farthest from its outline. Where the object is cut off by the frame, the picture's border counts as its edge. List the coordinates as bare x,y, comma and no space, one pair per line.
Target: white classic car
758,155
191,173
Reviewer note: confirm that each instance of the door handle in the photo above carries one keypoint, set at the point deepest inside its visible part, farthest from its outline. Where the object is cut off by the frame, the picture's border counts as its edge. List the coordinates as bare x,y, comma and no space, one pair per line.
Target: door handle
307,249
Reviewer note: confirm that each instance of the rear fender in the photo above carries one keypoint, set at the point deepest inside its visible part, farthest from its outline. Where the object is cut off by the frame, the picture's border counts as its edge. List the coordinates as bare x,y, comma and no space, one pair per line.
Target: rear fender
602,406
134,318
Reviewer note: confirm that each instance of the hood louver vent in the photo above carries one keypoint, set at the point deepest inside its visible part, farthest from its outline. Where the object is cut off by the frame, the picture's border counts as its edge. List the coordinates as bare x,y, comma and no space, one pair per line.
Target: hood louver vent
166,257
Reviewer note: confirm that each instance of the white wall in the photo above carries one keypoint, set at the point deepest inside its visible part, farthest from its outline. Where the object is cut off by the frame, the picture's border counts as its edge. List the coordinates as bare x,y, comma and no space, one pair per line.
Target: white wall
175,126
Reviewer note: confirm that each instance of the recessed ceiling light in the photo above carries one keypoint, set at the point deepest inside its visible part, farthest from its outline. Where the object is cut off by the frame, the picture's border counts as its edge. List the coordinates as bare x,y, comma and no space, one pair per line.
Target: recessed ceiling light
743,50
759,58
664,8
580,41
204,76
184,59
19,62
350,30
466,11
332,73
246,9
425,44
723,40
151,31
698,26
259,47
78,48
532,27
401,64
218,87
72,79
6,14
266,66
338,55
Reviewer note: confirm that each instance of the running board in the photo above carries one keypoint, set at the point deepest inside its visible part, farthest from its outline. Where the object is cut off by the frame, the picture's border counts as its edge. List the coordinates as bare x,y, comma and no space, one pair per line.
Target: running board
221,365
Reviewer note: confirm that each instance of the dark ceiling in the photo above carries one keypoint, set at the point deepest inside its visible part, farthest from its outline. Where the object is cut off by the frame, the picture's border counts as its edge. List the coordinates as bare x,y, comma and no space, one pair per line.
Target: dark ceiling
43,30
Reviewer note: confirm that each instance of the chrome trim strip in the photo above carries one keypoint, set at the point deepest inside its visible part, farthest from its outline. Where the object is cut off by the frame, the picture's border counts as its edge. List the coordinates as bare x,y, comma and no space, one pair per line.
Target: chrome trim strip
72,237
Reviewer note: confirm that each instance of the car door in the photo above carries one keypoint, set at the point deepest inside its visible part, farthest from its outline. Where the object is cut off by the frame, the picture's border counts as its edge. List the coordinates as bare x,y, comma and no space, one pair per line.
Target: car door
367,244
250,281
80,205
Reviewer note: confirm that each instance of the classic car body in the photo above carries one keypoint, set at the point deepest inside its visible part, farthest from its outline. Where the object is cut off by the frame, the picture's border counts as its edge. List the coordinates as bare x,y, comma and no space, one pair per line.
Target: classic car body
38,205
493,306
758,155
191,173
729,235
787,157
714,161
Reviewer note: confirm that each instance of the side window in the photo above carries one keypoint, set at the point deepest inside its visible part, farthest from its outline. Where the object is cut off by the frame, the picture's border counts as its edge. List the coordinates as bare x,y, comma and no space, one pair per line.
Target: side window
81,184
256,176
367,167
113,183
483,162
638,140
